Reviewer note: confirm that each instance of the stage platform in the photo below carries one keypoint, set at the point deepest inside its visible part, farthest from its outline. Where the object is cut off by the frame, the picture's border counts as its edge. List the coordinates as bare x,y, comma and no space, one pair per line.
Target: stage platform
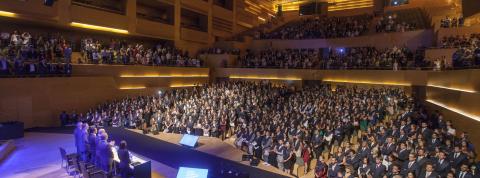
211,153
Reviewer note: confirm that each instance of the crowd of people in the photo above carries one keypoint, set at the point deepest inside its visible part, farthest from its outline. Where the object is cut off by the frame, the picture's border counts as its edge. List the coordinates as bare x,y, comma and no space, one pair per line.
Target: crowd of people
391,23
121,52
234,51
288,58
468,49
23,54
95,150
454,22
364,132
394,58
321,27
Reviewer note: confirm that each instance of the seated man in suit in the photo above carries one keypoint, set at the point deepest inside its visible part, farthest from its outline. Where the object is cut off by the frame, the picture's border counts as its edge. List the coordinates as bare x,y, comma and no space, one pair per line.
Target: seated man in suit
378,170
124,156
410,166
442,166
464,173
429,172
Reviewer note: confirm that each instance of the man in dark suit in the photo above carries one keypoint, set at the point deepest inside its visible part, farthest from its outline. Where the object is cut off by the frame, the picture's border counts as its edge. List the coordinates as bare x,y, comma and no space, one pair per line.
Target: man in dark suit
426,132
364,151
421,159
106,153
410,166
457,158
125,161
434,142
378,170
389,147
333,168
77,133
92,145
403,153
442,166
429,172
463,173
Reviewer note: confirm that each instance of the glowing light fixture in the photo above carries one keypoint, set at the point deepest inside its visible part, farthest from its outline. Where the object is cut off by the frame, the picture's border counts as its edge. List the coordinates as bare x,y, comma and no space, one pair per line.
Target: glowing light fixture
100,28
366,82
262,19
263,78
164,76
459,111
7,14
452,88
133,88
183,85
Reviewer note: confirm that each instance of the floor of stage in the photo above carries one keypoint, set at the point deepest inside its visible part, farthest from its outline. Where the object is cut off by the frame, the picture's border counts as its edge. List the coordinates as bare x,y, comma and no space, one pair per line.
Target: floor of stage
216,147
37,156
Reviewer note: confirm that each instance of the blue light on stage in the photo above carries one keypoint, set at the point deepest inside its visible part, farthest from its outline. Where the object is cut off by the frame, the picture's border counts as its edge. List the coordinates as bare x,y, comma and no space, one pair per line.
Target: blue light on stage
189,140
186,172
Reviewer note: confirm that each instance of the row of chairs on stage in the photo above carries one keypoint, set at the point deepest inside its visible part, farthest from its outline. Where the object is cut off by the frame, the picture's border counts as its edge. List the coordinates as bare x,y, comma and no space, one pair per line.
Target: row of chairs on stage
74,166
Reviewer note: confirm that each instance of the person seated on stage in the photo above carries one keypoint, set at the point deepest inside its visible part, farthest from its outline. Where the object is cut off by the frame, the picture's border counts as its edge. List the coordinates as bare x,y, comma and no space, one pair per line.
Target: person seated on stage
124,156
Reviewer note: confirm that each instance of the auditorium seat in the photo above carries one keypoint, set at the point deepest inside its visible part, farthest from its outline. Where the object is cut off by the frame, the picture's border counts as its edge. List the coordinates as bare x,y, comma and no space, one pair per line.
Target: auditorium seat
69,160
313,164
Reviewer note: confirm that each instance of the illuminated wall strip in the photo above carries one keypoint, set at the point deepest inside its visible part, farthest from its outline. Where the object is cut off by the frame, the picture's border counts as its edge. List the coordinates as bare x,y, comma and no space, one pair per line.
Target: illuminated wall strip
472,116
100,28
7,14
451,88
132,88
263,78
162,76
183,85
366,82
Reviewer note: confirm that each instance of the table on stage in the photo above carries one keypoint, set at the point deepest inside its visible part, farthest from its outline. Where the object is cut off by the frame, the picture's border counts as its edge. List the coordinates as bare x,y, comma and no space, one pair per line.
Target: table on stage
140,167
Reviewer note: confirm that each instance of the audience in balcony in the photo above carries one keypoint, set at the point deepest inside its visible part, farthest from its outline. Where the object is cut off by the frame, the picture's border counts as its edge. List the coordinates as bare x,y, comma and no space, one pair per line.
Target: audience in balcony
365,132
341,58
120,52
288,58
391,23
454,22
321,27
468,49
233,51
23,54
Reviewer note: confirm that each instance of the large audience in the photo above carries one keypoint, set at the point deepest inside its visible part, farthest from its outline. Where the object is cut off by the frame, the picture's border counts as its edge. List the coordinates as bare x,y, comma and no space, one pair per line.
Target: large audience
391,23
321,27
394,58
120,52
468,49
351,131
23,54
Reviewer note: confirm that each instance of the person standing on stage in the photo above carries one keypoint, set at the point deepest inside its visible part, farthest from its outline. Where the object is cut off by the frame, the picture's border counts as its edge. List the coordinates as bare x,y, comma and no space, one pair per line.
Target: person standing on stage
124,156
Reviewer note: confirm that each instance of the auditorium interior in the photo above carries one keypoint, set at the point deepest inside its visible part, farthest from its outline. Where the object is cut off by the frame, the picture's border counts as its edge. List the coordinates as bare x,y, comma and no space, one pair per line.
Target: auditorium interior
240,88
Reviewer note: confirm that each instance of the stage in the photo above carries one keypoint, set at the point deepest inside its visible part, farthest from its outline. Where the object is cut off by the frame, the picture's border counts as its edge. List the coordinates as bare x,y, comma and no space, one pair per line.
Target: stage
211,153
